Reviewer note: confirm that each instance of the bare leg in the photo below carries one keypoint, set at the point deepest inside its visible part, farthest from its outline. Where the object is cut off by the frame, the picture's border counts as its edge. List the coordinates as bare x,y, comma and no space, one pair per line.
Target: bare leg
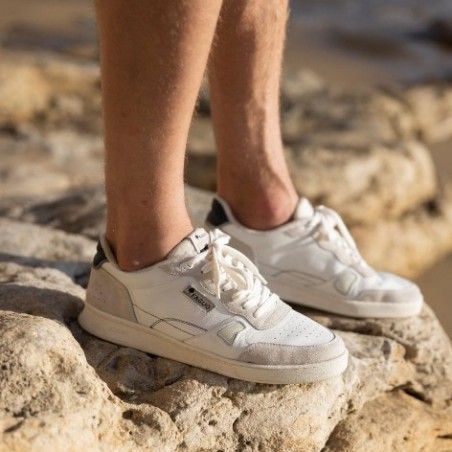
153,55
244,74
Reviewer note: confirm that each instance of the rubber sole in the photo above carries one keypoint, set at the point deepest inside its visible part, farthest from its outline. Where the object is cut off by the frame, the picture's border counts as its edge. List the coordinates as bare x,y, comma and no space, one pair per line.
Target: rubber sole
130,334
349,308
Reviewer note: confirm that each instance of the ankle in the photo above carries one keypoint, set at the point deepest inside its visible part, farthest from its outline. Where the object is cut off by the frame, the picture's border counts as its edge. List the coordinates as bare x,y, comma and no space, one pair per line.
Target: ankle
262,210
137,249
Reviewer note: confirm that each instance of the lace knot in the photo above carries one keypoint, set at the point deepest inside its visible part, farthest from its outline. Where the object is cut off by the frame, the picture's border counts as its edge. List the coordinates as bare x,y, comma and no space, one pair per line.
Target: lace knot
233,270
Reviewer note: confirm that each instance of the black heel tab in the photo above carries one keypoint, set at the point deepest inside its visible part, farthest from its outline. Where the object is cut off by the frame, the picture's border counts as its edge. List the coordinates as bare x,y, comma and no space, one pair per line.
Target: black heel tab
100,256
217,215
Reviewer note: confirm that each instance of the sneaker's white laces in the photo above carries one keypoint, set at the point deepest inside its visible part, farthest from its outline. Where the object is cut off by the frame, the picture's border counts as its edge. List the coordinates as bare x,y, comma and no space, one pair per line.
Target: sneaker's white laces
334,230
232,269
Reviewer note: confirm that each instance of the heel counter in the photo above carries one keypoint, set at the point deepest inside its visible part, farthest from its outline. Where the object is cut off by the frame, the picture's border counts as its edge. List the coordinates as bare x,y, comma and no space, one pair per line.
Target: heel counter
107,294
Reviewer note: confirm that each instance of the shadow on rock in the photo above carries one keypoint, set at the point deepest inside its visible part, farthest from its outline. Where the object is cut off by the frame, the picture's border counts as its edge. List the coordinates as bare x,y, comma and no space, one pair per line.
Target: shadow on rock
48,303
77,271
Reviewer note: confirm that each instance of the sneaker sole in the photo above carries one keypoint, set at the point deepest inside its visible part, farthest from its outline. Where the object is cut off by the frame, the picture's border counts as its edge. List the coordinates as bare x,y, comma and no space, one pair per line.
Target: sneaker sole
349,308
130,334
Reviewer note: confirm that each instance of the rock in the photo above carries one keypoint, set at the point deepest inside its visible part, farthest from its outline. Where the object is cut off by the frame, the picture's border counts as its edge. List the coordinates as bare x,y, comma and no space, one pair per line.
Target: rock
79,211
296,85
412,243
52,397
328,116
40,246
23,91
31,162
339,117
377,181
44,88
200,165
431,106
417,335
372,428
27,290
77,39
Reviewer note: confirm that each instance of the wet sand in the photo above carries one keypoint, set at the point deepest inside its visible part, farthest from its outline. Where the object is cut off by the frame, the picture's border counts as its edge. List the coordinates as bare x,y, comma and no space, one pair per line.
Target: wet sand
335,53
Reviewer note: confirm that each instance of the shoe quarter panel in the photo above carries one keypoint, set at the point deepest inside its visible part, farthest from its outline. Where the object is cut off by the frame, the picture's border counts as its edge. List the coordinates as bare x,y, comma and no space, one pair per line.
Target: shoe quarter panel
308,258
257,245
168,301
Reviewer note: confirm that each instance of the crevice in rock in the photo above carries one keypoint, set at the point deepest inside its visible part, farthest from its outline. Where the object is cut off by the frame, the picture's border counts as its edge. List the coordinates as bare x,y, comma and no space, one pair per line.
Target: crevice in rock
339,445
14,427
410,391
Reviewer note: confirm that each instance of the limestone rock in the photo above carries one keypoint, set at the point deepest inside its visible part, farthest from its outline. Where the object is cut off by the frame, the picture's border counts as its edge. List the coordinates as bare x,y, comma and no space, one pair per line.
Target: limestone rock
40,246
52,397
367,183
53,400
79,211
422,110
23,92
43,88
372,428
431,106
332,116
32,162
417,335
314,111
411,243
63,389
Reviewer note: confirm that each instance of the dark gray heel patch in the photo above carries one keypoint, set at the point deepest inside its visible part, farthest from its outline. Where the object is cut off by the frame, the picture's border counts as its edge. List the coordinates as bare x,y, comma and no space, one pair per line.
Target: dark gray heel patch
217,216
100,256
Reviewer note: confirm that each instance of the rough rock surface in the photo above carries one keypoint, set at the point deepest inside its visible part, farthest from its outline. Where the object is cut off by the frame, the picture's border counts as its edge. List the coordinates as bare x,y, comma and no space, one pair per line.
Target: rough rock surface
377,181
63,389
36,246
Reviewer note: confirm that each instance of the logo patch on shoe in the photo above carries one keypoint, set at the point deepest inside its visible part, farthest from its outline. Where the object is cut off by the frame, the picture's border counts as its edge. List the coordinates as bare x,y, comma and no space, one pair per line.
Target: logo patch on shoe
198,298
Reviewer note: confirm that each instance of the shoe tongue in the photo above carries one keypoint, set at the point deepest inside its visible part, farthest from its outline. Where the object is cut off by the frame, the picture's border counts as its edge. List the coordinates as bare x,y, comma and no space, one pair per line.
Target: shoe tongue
304,210
193,244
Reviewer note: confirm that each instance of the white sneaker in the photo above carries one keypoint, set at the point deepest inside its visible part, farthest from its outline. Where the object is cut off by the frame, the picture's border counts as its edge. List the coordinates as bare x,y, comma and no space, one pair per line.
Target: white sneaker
313,261
207,305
